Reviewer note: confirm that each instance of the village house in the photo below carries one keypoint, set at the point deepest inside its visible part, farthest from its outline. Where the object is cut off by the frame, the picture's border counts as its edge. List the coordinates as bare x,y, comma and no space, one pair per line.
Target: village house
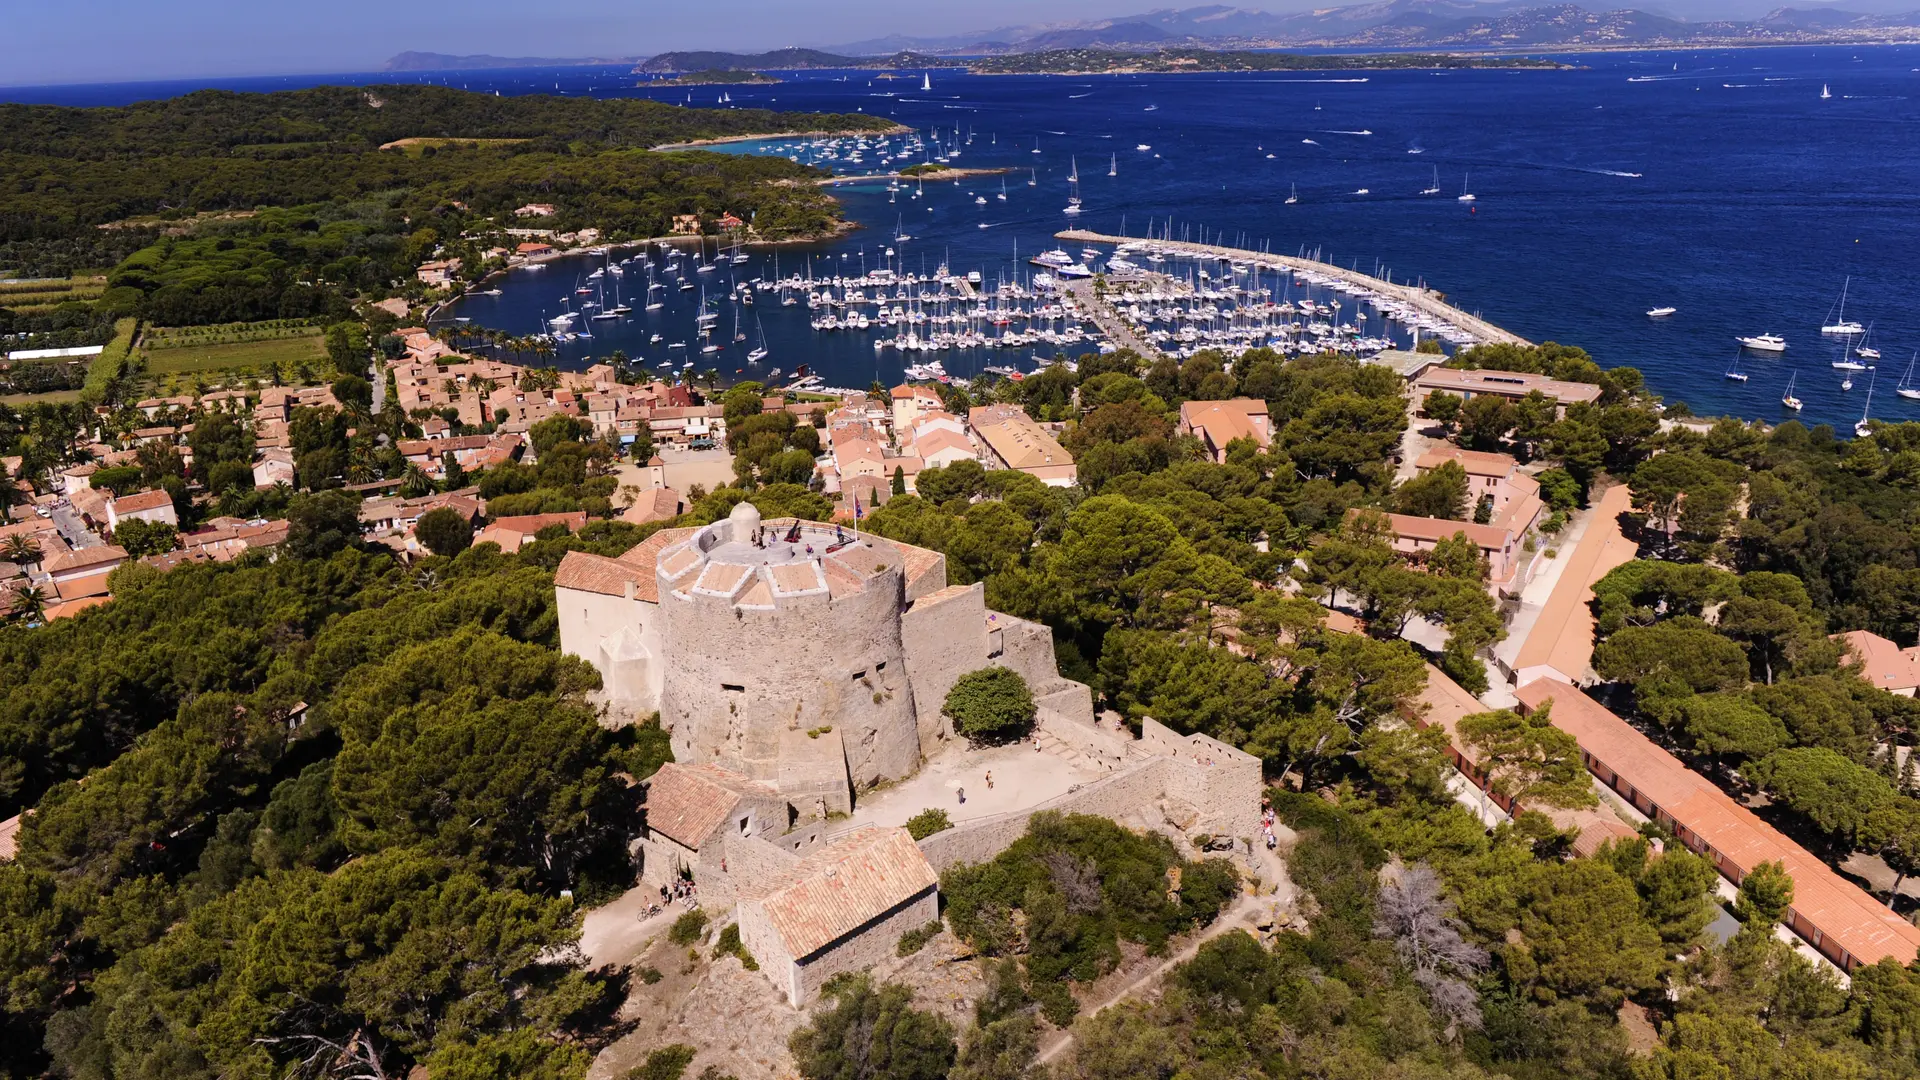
275,466
1515,496
515,532
438,272
654,504
910,402
532,249
1503,548
1217,423
87,562
536,210
1512,385
155,506
1883,663
1010,439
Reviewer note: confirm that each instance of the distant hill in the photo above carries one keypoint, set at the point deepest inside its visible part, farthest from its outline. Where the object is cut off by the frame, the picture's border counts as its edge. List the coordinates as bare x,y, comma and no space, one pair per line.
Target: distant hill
432,61
1381,24
1493,24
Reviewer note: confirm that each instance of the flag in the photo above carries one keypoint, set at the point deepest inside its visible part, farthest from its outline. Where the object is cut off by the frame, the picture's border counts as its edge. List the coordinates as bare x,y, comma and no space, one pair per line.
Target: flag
856,508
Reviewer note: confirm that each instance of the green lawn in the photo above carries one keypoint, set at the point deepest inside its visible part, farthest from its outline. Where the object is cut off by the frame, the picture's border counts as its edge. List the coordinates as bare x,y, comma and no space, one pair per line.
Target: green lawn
51,397
195,359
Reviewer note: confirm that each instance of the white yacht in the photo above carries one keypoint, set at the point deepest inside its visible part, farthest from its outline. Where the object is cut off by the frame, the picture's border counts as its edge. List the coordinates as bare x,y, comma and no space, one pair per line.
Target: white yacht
1863,428
1465,195
1660,312
1764,343
1789,400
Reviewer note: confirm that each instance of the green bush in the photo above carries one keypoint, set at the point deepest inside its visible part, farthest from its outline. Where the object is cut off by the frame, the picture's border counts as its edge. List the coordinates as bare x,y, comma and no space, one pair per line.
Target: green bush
730,945
666,1063
916,939
688,927
650,975
927,822
992,704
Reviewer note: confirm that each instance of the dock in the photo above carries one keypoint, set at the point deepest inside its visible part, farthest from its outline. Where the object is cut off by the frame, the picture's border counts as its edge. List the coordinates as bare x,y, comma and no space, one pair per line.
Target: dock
1107,319
1428,301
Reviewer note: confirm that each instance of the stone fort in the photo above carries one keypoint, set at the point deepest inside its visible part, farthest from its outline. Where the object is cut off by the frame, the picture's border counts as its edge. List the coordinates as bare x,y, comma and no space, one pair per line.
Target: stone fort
797,665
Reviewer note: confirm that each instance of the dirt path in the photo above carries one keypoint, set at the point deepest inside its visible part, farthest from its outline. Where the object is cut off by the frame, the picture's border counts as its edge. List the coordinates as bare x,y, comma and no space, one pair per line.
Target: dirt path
1235,918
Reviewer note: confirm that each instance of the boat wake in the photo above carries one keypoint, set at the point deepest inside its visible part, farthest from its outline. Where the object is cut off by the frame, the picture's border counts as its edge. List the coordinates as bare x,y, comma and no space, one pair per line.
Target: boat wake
1071,97
1361,132
1311,80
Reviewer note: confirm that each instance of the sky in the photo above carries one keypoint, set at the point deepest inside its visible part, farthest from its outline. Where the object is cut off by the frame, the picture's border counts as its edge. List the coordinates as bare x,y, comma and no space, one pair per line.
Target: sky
63,41
68,41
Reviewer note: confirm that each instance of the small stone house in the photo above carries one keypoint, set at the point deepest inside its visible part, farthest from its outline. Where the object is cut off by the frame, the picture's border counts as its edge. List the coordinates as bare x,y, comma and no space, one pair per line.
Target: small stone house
692,810
841,908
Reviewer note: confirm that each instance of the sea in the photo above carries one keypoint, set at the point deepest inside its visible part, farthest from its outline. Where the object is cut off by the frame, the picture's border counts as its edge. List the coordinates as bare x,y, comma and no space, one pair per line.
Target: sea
1747,188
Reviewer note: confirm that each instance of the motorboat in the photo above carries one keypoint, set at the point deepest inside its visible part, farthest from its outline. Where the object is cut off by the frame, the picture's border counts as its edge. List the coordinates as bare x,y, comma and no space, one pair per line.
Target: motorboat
1660,312
1764,343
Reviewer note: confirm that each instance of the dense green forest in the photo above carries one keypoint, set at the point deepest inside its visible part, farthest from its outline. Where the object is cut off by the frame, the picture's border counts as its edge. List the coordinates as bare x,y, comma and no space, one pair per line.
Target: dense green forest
64,171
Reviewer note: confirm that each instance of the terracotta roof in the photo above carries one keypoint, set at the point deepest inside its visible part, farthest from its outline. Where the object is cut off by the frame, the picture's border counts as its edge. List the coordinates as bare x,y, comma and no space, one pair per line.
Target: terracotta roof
1475,462
1883,663
533,523
86,585
1013,435
644,557
659,504
840,888
928,443
1425,528
688,802
94,556
1852,927
1509,383
1225,421
1562,637
597,574
144,500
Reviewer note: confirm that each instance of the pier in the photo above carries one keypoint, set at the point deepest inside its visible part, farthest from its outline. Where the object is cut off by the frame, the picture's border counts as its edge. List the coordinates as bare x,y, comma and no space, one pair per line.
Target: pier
1425,300
1109,320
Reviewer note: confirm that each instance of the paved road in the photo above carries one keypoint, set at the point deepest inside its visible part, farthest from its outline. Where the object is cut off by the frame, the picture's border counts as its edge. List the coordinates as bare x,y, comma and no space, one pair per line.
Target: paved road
72,529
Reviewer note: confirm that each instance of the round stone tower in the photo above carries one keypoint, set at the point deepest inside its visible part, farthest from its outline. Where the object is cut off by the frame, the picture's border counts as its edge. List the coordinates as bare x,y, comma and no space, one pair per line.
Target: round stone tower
780,641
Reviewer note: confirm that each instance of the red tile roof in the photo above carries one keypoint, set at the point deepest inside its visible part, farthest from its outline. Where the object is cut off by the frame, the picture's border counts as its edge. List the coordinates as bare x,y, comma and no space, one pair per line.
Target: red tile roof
1851,927
686,803
840,888
144,500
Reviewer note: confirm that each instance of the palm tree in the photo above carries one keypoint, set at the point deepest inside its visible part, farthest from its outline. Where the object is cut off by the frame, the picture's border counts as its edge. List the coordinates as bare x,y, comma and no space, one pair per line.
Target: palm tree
30,604
20,550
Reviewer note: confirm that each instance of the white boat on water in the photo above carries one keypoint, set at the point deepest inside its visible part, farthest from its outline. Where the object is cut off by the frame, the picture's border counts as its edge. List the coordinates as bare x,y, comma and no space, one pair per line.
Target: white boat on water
1434,188
1764,343
1293,194
1733,370
1142,147
1863,350
1864,428
1841,324
1660,312
1466,195
1849,365
1825,93
1906,389
1789,400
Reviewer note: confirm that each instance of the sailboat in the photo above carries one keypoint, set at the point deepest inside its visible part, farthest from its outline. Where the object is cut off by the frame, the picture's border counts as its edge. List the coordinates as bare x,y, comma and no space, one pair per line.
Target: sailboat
926,81
1465,195
1113,166
1032,177
1825,93
1073,185
1293,194
1788,399
1003,190
1036,144
1435,189
1906,389
1863,428
1840,325
1863,350
760,353
1733,370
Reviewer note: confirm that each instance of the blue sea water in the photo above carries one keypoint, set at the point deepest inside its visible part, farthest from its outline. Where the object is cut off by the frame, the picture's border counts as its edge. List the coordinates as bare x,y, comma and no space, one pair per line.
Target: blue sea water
1715,181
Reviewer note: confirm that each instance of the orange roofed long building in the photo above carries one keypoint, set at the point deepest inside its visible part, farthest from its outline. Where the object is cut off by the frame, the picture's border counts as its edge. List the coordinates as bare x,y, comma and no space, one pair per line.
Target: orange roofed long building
1832,914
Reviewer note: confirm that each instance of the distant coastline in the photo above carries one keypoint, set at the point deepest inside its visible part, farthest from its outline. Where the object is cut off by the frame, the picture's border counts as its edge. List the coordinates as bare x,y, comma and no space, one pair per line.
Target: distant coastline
715,77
